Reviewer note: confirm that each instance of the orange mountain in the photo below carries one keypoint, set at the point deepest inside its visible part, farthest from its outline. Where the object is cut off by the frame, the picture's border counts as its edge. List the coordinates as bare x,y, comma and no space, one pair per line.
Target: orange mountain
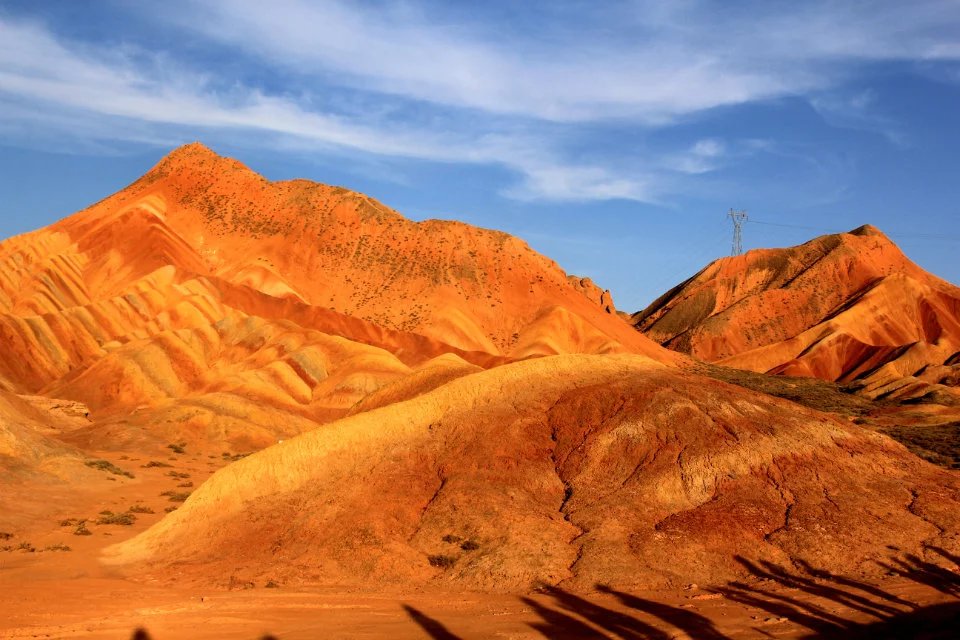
204,293
845,307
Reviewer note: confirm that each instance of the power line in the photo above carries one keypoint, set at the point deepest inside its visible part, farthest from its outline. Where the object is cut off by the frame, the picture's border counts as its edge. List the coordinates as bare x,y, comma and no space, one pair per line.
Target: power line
893,234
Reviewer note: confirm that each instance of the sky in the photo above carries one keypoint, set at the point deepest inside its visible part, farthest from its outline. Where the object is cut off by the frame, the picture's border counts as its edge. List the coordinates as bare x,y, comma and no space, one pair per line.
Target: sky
613,137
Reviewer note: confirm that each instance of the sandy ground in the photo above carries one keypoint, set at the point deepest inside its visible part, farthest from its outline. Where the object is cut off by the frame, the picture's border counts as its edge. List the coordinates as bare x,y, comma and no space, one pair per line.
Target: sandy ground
69,594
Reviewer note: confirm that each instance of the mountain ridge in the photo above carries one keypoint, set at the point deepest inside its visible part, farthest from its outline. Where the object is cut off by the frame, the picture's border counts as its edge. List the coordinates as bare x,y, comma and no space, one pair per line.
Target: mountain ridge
843,307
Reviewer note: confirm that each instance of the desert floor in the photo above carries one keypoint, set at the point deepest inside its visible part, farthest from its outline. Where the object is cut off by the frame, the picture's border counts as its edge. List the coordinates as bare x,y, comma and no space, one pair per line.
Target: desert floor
48,593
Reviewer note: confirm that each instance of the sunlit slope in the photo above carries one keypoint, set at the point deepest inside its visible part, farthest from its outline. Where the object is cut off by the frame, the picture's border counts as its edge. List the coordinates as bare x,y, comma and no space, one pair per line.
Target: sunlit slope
573,469
204,285
329,247
843,307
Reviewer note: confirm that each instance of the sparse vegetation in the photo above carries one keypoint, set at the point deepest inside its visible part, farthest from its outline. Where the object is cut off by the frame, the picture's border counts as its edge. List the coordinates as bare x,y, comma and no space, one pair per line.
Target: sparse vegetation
175,496
5,536
57,547
469,545
175,474
170,509
26,547
185,485
155,463
125,519
177,447
272,585
939,444
441,561
809,392
82,530
69,522
140,508
451,539
109,467
233,457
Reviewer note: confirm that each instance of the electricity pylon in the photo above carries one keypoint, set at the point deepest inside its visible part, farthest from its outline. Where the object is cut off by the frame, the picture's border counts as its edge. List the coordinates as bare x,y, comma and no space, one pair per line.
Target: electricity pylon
738,218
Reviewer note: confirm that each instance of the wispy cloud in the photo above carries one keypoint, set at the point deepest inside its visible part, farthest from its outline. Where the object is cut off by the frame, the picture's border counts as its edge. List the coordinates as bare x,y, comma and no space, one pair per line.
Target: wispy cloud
396,80
857,110
67,86
651,61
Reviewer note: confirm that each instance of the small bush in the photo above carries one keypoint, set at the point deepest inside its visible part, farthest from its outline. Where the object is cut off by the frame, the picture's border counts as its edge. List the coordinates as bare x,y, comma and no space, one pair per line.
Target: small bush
469,545
443,562
5,536
106,465
177,447
271,585
82,530
125,519
185,485
175,496
170,509
155,463
139,508
58,547
451,539
175,474
26,547
69,522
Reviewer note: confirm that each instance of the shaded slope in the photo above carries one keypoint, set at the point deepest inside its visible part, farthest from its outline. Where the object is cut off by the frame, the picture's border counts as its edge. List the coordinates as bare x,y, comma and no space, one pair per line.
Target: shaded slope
843,307
572,469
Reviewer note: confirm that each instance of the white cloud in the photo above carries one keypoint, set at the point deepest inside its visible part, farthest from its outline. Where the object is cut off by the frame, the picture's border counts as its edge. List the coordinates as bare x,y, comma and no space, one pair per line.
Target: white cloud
456,91
651,61
67,87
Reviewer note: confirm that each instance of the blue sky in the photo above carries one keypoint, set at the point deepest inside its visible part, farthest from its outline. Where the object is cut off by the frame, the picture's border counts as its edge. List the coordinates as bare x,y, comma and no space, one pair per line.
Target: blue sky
611,136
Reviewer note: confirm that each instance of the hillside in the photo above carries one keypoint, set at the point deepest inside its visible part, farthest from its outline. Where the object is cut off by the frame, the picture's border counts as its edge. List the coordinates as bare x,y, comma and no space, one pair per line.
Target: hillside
848,307
205,303
571,470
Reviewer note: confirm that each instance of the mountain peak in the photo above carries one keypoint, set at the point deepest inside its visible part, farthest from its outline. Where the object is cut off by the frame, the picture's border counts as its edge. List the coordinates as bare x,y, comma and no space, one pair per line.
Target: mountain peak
867,230
195,157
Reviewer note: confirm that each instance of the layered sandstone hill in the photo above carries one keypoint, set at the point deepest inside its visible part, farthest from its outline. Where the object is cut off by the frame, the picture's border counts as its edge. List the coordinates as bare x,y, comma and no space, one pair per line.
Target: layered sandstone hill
569,469
846,307
209,302
322,246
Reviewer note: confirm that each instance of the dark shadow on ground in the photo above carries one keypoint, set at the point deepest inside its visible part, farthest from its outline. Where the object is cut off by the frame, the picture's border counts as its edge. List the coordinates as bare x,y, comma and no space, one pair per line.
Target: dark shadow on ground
816,599
825,600
141,634
433,628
